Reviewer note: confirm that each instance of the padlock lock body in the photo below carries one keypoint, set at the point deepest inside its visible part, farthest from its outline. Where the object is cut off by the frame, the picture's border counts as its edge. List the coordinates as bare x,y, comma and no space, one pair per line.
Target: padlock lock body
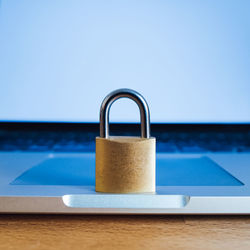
125,164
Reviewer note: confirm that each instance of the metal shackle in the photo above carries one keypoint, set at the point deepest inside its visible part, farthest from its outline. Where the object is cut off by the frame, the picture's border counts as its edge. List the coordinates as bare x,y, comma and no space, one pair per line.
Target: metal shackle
131,94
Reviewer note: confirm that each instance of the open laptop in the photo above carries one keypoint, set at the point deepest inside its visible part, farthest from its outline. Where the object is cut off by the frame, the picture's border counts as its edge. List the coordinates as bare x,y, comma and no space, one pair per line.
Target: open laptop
189,59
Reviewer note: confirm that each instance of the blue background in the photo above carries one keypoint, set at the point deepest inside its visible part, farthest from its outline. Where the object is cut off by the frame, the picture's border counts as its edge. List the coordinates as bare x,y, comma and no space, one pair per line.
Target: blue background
190,59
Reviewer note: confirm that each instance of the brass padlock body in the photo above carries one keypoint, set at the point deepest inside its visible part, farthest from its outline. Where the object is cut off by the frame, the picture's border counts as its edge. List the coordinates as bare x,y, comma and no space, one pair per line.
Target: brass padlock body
125,164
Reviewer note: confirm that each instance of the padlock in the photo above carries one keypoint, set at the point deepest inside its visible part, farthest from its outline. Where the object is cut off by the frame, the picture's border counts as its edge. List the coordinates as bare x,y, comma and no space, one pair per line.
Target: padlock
125,164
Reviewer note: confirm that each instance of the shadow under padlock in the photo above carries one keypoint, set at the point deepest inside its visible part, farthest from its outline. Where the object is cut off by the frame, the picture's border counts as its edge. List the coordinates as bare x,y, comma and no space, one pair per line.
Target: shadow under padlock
125,164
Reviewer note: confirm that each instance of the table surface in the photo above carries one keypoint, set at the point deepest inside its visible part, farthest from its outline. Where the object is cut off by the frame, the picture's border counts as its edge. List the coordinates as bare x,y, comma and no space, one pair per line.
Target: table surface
124,232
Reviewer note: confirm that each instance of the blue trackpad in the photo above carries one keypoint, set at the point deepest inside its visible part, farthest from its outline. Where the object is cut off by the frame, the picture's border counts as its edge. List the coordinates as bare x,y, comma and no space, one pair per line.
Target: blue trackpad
77,171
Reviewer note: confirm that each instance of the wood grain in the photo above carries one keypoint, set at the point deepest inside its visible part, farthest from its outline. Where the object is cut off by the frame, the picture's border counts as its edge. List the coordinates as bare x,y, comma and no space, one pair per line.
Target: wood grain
124,232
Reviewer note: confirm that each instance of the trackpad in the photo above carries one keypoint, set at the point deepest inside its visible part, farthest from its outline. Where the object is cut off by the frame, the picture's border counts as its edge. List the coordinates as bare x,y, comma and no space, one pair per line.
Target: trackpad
80,171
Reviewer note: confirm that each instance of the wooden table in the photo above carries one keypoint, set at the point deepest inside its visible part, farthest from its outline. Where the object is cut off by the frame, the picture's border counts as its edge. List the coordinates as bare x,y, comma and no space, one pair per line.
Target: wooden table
124,232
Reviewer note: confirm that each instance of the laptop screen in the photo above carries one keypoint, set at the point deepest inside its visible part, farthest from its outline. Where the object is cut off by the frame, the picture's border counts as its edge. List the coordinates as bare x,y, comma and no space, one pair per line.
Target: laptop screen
189,59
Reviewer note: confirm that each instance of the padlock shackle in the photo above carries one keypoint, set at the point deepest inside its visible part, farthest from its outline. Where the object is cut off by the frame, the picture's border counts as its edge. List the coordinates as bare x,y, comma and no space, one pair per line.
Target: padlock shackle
131,94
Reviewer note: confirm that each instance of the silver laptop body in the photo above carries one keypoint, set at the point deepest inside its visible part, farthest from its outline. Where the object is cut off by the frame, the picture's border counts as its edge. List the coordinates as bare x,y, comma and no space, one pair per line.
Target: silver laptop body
18,197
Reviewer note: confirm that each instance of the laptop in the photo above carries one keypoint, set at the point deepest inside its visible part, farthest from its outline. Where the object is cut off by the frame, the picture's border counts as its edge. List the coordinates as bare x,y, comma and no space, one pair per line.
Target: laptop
190,61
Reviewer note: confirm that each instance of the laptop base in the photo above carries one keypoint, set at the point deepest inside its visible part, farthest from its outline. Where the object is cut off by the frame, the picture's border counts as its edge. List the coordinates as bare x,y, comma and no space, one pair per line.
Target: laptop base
186,184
